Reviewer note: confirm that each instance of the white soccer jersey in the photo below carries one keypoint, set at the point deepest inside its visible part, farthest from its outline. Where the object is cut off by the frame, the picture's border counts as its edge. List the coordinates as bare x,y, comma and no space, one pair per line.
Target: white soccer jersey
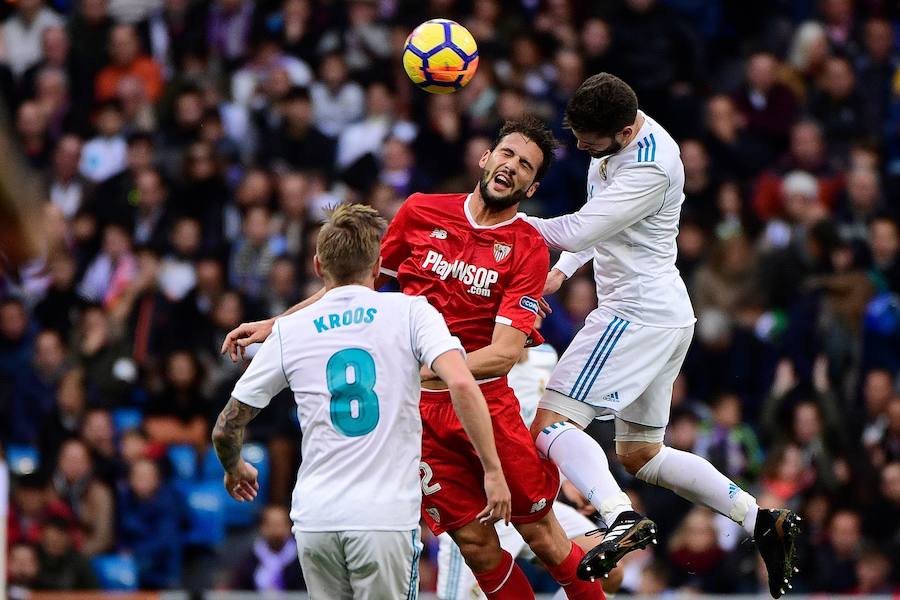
628,226
528,379
352,361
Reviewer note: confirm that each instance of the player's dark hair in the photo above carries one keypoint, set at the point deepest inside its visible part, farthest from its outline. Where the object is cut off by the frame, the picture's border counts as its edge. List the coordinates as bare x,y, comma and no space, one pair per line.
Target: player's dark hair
535,130
603,104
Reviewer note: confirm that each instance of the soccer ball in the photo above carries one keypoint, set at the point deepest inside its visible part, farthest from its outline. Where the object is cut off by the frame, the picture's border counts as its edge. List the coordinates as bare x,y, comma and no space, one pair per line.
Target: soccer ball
440,56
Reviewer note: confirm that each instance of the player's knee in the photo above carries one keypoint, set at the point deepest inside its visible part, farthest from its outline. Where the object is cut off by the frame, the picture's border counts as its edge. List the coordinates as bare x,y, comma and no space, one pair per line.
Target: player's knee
546,539
480,550
634,455
480,558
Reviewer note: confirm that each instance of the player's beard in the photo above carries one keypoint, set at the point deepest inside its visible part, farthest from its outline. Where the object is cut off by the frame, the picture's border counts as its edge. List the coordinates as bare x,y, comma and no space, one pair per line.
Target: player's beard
611,149
497,203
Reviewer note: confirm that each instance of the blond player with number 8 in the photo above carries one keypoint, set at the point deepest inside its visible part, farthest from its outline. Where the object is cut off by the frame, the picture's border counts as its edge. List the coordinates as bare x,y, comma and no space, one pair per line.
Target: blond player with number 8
352,361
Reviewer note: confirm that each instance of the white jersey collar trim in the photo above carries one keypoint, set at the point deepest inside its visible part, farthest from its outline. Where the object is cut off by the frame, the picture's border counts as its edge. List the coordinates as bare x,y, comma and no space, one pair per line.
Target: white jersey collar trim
353,287
475,225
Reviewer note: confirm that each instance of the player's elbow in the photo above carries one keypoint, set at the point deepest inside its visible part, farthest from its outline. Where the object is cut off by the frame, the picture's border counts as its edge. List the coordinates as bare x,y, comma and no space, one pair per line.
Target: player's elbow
461,386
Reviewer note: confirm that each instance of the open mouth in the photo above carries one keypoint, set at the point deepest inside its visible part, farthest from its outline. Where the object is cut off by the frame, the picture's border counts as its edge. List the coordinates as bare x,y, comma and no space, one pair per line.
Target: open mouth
502,181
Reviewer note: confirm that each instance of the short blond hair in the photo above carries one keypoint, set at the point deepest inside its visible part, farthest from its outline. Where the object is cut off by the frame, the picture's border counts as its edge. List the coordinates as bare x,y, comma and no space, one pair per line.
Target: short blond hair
349,242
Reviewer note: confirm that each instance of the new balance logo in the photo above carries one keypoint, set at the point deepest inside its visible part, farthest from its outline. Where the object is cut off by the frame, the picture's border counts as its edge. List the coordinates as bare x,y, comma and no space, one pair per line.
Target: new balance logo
440,234
539,505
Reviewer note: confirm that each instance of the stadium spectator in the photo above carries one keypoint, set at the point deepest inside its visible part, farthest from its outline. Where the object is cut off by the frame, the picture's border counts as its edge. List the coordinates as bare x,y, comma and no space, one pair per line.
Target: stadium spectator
21,34
884,242
148,526
337,100
66,417
114,268
128,60
33,504
729,444
768,105
836,562
67,186
178,414
62,567
840,107
88,498
695,552
31,127
24,566
294,140
229,26
248,84
105,155
271,566
35,387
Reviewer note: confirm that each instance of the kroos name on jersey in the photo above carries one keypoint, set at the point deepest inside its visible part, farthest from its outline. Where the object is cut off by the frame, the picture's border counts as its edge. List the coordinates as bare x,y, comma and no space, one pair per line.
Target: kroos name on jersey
479,278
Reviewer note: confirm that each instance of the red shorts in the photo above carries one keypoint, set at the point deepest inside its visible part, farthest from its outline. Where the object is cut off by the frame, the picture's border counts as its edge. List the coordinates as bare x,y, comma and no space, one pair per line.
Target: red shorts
452,477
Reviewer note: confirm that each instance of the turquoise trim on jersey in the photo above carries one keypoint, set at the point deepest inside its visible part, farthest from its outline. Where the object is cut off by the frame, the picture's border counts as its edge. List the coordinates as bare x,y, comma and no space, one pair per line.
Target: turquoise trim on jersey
585,371
646,149
453,576
605,358
413,591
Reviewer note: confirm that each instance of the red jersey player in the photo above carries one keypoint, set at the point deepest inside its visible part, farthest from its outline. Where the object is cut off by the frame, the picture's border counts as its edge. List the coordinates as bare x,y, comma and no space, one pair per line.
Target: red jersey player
483,268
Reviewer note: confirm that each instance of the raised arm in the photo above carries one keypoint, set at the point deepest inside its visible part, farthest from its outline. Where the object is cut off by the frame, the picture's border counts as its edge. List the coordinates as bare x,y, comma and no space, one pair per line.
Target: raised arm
245,334
636,193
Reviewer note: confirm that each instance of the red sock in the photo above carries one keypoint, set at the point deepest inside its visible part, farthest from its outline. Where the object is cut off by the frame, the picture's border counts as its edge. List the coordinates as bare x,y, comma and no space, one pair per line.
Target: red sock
565,574
506,581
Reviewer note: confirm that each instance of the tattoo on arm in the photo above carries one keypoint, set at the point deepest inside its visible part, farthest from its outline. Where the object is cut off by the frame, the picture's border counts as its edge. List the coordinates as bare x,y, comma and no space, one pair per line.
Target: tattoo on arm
228,434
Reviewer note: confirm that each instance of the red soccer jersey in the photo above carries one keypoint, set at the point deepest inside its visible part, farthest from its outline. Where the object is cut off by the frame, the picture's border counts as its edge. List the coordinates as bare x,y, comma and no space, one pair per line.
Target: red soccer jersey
473,275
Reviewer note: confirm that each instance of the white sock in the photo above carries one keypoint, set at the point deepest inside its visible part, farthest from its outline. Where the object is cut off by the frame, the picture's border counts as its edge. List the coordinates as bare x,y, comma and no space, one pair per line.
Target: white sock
695,479
583,462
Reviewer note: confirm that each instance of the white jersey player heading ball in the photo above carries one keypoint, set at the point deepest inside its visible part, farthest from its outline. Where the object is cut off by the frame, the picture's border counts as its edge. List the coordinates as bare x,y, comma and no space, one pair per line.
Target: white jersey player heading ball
624,361
352,361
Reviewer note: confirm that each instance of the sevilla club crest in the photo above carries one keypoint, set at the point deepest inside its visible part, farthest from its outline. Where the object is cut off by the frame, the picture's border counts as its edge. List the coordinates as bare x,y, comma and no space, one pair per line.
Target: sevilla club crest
501,251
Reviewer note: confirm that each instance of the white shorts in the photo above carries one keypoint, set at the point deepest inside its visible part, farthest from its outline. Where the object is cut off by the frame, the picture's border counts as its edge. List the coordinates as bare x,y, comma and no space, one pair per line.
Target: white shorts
360,565
455,579
617,368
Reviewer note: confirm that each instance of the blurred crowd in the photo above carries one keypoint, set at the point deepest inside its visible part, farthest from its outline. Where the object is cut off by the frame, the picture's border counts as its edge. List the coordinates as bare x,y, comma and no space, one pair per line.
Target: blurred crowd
189,148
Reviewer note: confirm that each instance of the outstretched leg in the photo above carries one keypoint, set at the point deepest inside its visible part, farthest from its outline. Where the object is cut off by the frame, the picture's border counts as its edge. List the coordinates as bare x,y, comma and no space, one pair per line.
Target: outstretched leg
692,477
584,463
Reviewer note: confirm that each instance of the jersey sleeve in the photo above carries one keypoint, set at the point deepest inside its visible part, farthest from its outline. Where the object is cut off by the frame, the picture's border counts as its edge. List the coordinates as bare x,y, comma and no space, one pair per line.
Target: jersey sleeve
428,332
569,262
519,305
394,246
637,191
265,377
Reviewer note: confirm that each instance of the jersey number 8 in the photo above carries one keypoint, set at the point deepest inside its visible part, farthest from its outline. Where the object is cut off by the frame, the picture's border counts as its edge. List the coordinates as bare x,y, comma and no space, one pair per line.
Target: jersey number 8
359,395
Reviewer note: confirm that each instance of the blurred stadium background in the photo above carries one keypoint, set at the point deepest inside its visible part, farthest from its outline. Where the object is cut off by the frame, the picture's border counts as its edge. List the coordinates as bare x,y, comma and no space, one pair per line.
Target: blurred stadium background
185,151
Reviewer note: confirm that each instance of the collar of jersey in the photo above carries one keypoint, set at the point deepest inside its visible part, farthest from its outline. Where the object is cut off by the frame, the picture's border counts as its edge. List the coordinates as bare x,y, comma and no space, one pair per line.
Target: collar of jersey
355,287
476,225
